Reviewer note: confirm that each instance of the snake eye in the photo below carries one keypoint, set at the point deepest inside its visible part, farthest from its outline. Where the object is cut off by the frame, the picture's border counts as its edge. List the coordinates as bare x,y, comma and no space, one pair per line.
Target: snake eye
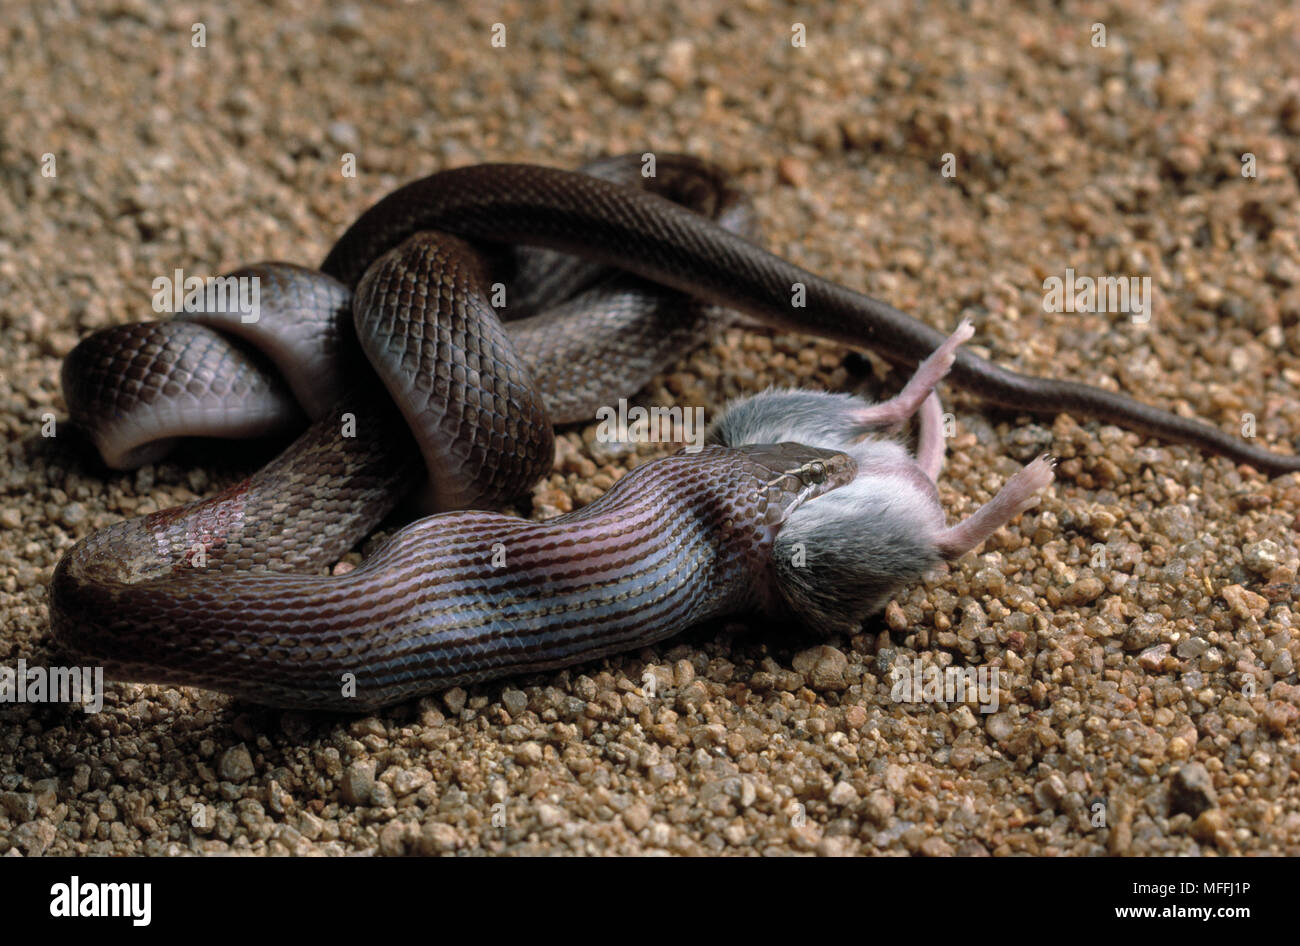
815,472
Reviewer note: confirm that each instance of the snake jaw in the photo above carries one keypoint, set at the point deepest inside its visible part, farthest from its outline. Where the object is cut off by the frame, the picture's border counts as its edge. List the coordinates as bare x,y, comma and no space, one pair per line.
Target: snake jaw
819,478
792,474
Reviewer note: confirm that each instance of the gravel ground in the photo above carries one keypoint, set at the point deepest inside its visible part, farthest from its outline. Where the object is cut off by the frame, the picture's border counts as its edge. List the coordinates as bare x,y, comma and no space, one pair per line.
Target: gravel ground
1140,619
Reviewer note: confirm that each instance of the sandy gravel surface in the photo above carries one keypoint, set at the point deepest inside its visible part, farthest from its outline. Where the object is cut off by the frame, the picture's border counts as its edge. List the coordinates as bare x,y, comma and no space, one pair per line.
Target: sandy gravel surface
1141,618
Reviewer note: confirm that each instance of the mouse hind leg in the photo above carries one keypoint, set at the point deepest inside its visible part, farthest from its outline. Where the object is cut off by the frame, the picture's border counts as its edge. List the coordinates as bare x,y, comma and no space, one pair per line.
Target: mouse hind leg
891,415
919,399
1019,494
930,443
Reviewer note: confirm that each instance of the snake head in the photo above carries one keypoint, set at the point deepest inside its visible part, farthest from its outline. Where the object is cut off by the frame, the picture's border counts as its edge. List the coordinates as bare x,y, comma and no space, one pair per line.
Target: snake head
791,474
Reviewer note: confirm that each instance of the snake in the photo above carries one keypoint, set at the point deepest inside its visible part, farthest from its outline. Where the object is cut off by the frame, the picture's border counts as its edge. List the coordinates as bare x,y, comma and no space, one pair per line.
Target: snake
396,351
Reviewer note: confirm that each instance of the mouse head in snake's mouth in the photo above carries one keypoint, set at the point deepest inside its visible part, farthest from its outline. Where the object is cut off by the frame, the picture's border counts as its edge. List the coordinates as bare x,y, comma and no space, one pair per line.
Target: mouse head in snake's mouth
841,553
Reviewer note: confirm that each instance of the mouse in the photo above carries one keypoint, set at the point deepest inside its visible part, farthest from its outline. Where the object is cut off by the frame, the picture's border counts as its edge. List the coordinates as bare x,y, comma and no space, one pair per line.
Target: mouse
841,557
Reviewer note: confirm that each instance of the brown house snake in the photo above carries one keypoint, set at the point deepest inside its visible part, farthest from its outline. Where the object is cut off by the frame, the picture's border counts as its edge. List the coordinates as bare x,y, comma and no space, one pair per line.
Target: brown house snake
219,593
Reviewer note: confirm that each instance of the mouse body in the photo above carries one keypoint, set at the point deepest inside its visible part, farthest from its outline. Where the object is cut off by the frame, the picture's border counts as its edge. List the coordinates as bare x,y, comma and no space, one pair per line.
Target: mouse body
841,557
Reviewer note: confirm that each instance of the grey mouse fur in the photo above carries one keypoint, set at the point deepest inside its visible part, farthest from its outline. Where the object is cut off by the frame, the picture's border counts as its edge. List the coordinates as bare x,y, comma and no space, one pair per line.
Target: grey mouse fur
842,556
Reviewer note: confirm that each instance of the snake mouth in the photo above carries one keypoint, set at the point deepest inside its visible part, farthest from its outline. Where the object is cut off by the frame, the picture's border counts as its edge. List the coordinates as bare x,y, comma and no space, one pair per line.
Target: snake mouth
808,493
792,474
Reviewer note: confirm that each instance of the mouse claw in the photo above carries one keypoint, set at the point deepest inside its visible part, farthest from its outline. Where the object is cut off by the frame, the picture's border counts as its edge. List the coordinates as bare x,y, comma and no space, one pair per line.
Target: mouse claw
942,358
1039,472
